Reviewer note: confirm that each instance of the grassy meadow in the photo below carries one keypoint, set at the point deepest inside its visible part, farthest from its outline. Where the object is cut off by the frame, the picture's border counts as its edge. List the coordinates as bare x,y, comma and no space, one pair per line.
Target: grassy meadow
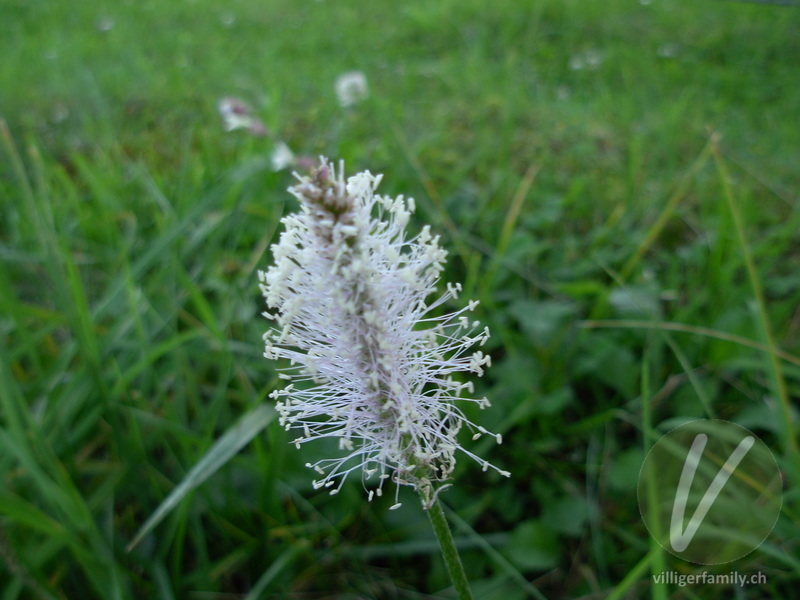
616,182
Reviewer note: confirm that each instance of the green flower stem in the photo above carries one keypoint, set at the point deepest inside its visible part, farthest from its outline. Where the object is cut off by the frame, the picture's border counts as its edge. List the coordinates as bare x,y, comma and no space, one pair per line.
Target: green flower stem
449,552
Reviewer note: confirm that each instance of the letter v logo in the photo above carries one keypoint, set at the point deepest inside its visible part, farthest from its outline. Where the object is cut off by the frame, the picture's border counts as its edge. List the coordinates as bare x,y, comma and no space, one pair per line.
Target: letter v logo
679,537
709,491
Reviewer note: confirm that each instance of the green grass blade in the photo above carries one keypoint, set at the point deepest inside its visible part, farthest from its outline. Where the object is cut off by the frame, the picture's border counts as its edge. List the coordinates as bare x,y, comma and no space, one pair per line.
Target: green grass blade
631,578
501,561
787,431
220,453
659,592
683,327
275,569
666,214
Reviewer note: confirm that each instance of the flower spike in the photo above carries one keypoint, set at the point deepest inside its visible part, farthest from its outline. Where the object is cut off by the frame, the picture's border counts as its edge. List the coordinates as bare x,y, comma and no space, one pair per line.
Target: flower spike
369,364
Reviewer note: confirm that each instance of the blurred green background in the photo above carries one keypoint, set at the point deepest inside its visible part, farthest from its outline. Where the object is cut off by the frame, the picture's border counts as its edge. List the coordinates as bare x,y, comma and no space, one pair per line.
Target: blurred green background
616,183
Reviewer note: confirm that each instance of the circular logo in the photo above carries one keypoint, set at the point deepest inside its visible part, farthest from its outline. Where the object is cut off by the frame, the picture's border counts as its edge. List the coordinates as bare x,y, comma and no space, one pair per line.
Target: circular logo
710,491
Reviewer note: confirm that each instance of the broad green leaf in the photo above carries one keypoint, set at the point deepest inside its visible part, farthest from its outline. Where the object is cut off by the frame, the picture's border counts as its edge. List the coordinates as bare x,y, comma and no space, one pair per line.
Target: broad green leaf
568,515
533,546
543,320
